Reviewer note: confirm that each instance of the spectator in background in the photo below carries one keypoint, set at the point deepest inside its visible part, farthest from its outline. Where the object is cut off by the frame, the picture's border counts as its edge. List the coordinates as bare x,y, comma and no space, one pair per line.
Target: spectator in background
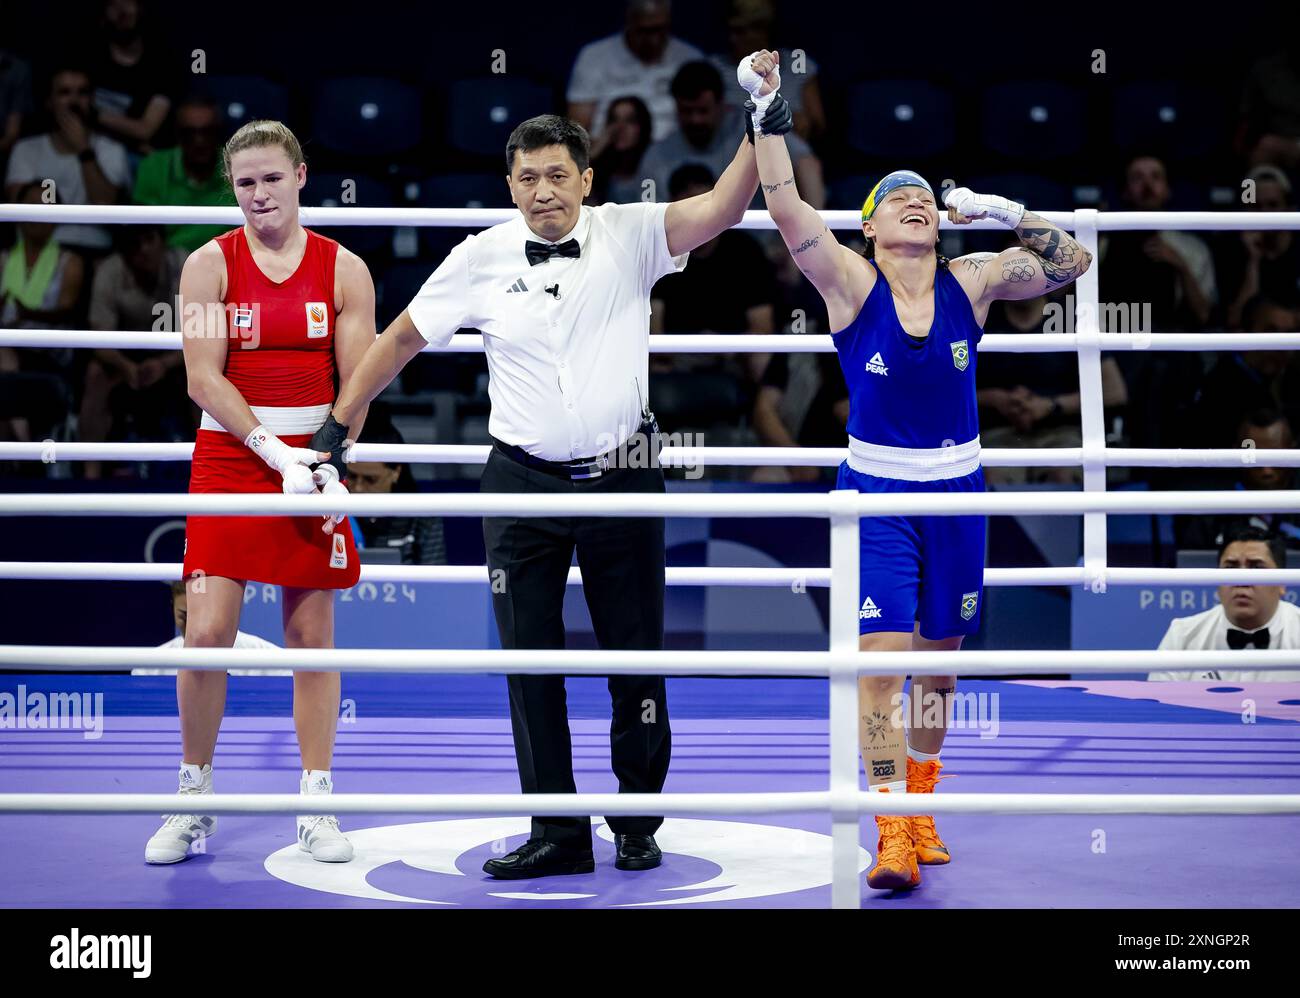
706,131
420,540
1242,382
188,173
640,61
780,420
40,285
726,289
1270,110
15,100
1262,263
750,27
1246,617
617,151
148,386
1172,270
1032,400
40,280
84,166
1263,429
131,84
180,616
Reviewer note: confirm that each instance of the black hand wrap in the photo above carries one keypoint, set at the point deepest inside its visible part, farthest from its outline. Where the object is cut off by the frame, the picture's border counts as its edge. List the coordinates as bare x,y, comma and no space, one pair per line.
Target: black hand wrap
330,438
777,120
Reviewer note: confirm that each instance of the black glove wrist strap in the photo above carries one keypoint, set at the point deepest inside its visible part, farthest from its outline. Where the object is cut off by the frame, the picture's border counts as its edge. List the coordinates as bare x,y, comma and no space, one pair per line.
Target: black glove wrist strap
330,438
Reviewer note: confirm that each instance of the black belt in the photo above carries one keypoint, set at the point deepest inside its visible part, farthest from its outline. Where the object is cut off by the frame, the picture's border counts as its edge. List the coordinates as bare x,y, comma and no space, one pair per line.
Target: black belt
589,467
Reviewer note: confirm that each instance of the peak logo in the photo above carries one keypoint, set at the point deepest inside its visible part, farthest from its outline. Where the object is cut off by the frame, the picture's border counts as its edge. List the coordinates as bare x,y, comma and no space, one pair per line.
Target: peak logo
440,863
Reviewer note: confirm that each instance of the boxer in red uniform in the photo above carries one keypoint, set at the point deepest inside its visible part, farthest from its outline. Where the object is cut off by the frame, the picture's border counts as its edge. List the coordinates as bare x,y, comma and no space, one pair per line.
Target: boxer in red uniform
273,317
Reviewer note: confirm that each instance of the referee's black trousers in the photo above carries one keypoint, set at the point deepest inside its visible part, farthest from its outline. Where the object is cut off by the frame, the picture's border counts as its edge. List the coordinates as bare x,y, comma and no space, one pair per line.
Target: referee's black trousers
622,563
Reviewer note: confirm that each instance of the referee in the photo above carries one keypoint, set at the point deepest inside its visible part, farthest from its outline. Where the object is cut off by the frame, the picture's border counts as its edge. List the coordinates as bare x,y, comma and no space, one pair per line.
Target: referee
562,296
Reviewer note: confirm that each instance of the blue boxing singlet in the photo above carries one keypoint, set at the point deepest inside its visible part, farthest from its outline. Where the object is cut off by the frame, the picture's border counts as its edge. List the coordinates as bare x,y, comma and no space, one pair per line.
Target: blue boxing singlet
912,405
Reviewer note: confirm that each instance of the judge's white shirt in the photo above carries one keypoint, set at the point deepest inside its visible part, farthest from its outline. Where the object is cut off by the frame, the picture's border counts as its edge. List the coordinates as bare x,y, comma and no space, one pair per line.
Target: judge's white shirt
1208,631
568,340
242,640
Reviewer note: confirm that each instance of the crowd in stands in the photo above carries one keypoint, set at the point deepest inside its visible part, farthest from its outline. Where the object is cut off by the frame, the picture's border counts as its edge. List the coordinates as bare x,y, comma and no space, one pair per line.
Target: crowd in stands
123,121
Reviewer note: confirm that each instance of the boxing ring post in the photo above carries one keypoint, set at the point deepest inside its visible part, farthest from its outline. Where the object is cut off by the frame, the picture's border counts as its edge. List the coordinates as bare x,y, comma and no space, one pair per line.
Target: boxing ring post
845,820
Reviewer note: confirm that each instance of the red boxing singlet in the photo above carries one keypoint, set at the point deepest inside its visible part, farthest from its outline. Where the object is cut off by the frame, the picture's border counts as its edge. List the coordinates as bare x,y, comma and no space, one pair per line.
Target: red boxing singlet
280,356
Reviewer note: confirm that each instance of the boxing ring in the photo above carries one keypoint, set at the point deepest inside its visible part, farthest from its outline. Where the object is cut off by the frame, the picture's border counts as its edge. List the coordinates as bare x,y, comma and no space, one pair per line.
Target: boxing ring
841,800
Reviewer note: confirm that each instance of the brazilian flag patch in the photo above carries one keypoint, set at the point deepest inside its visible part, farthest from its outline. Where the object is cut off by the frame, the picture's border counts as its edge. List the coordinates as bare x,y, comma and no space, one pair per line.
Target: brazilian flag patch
960,355
969,602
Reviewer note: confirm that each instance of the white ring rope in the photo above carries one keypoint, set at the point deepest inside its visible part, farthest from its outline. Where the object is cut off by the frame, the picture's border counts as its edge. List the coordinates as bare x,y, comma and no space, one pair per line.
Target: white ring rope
740,575
51,451
712,343
683,504
669,804
477,218
678,662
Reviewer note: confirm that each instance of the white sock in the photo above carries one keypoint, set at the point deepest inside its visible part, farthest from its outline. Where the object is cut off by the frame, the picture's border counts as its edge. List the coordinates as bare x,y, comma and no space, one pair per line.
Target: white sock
897,787
192,775
918,756
317,780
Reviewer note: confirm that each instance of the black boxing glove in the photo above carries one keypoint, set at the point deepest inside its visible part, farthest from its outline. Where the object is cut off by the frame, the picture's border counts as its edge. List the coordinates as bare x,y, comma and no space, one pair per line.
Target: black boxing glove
778,120
330,438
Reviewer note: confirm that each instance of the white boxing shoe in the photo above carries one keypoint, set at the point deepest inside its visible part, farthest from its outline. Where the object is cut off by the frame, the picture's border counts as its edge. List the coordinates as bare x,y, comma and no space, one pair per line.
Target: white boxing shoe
319,834
181,832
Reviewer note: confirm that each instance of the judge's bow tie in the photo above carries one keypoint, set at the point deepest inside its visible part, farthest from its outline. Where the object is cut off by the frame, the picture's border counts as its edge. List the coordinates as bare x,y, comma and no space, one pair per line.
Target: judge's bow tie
541,252
1240,639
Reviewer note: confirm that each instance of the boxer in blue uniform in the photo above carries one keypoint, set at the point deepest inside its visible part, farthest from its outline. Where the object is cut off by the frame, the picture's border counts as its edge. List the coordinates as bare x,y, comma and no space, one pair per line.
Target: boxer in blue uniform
906,324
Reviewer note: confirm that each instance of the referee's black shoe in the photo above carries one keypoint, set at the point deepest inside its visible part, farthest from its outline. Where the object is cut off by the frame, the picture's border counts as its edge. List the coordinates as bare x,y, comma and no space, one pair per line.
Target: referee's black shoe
540,858
636,852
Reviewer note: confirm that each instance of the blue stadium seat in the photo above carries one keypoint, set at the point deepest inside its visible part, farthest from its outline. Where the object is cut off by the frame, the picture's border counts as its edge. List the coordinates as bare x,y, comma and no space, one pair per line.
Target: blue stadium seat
245,98
481,113
367,116
908,118
332,190
338,190
465,190
458,190
1183,121
1041,120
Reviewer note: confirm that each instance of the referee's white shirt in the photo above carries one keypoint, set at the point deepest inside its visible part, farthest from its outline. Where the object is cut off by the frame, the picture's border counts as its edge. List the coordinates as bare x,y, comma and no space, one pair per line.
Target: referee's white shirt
1208,631
568,375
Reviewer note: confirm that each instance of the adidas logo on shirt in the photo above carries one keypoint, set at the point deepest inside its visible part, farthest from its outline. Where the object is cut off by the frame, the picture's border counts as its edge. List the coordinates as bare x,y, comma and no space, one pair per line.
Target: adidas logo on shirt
869,609
876,365
519,285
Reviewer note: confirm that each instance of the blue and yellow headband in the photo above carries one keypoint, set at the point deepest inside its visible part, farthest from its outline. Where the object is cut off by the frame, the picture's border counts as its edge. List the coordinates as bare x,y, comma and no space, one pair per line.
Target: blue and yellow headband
889,183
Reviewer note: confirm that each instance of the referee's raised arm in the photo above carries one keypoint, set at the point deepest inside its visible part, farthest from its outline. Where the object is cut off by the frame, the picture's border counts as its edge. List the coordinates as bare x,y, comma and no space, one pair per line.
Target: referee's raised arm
692,222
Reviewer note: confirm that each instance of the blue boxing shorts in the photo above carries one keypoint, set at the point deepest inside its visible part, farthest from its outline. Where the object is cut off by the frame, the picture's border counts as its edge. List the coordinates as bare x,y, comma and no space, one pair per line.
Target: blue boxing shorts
920,569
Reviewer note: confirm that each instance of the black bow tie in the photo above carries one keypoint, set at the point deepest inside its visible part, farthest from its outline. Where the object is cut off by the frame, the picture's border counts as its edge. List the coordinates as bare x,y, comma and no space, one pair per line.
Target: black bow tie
541,252
1240,639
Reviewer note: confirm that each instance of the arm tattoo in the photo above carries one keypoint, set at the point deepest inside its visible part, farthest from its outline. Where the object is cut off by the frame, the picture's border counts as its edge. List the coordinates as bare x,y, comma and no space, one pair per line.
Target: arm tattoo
773,188
1063,257
808,244
976,261
1018,269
